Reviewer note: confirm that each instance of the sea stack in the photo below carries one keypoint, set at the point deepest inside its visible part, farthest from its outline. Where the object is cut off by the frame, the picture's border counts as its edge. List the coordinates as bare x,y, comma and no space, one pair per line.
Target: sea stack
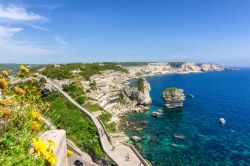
173,97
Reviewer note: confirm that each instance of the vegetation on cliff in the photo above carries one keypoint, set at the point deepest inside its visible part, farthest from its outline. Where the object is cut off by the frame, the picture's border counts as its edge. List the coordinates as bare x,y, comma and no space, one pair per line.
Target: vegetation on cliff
140,84
80,129
64,71
173,97
105,118
76,91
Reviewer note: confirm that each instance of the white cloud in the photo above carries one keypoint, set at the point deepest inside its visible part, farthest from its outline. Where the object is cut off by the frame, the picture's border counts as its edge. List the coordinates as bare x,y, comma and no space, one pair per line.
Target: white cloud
17,49
17,13
39,28
60,40
27,51
7,32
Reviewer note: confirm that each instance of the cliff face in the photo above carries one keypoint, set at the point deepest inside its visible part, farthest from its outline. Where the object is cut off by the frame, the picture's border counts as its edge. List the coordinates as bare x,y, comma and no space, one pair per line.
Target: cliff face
167,68
141,96
111,86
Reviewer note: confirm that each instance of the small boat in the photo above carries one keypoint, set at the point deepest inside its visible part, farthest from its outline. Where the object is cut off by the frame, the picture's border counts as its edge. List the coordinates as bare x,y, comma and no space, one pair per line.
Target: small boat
179,136
222,121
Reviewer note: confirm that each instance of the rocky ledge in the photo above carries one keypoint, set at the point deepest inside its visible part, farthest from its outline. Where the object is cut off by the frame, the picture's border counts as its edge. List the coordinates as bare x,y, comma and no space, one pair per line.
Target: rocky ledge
173,97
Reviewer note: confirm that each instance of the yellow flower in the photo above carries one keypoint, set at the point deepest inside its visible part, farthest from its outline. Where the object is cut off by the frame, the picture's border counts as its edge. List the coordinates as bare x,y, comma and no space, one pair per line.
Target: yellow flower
24,69
3,85
34,126
3,102
34,88
26,87
36,115
19,91
52,143
7,112
21,75
40,146
5,73
50,157
69,153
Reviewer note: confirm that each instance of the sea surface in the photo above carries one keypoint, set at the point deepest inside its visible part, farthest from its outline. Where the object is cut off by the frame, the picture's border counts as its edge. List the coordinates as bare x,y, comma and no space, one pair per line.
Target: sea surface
206,141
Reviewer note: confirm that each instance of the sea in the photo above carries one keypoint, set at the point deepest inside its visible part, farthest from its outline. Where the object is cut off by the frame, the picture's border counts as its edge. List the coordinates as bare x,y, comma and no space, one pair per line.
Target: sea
192,135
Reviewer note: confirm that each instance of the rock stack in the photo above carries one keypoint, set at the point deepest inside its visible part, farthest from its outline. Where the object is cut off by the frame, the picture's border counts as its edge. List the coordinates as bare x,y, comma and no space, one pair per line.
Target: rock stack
173,97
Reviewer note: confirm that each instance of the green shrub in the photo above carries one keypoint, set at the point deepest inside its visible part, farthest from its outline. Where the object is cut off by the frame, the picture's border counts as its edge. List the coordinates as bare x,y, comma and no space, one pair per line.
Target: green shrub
121,99
140,84
75,91
81,99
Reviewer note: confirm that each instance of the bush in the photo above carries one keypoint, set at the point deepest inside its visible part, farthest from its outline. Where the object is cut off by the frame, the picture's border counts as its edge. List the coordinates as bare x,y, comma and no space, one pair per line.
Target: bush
75,91
81,99
121,99
140,84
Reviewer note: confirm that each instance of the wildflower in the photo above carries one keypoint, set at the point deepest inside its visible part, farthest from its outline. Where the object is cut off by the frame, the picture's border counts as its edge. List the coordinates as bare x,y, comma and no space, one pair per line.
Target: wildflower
52,143
21,75
69,153
40,146
24,69
26,87
35,126
34,88
3,85
3,102
50,157
19,91
7,112
36,115
5,73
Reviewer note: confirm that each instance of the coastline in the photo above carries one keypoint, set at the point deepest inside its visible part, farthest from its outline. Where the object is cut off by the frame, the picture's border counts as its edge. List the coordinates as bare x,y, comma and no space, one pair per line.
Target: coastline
120,116
198,121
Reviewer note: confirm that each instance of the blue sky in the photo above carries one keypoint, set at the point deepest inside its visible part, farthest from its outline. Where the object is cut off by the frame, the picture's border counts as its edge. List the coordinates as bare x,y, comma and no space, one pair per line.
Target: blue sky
45,31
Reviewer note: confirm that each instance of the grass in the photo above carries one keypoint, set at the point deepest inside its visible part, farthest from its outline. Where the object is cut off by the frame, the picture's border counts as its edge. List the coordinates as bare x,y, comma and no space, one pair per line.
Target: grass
76,92
79,128
93,107
105,118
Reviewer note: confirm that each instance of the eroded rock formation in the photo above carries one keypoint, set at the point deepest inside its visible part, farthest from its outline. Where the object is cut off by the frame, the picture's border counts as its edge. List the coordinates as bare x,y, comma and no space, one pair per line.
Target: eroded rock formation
173,97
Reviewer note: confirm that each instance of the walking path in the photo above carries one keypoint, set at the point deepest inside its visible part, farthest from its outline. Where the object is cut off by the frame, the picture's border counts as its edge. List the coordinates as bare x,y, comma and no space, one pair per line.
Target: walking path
121,150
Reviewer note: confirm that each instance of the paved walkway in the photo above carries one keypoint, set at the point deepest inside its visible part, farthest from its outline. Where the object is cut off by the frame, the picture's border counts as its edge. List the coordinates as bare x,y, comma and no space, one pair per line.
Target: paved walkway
120,152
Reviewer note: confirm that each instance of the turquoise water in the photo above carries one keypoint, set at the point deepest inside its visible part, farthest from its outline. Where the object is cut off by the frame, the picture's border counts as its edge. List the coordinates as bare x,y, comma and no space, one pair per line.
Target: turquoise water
205,142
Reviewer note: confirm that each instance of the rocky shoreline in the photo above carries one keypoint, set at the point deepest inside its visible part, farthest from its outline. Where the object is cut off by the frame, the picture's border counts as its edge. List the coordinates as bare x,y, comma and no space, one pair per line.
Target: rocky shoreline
114,85
113,93
111,89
